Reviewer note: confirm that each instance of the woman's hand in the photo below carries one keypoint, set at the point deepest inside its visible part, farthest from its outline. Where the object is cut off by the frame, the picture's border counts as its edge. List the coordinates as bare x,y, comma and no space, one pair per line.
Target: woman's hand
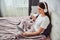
24,34
27,33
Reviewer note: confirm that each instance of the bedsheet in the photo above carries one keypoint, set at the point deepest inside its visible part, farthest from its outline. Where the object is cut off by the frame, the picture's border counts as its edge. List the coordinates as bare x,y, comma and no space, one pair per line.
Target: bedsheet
8,26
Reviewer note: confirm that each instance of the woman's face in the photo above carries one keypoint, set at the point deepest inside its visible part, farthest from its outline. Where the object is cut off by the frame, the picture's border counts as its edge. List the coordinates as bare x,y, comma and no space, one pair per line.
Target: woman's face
40,10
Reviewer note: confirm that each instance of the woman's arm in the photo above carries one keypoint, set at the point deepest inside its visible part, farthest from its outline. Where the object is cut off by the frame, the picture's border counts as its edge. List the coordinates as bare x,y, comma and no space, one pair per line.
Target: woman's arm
33,33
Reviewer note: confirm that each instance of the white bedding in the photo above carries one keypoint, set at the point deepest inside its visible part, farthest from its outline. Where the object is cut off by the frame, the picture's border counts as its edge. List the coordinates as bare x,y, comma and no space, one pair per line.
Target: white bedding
9,29
8,26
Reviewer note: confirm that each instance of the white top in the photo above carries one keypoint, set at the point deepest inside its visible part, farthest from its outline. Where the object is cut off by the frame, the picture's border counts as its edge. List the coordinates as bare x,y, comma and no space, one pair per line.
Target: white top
41,22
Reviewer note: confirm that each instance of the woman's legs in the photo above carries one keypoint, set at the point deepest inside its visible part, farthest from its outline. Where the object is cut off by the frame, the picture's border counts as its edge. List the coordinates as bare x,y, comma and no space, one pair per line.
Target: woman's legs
39,37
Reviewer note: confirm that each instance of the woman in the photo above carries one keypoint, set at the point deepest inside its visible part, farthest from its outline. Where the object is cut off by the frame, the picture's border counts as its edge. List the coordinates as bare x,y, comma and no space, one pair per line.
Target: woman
42,21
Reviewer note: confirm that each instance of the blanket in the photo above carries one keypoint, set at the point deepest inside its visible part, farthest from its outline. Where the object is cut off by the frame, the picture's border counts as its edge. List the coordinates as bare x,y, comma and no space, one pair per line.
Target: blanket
11,26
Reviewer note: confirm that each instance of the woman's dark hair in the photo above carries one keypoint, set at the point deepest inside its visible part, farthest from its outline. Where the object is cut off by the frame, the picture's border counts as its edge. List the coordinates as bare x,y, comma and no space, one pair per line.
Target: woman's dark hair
42,5
48,30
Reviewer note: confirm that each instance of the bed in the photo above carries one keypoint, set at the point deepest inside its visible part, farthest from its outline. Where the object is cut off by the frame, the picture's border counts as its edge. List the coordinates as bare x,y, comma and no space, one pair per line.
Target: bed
8,27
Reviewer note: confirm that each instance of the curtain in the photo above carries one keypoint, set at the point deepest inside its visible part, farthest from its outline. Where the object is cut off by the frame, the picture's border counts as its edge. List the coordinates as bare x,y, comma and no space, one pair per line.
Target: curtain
14,7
